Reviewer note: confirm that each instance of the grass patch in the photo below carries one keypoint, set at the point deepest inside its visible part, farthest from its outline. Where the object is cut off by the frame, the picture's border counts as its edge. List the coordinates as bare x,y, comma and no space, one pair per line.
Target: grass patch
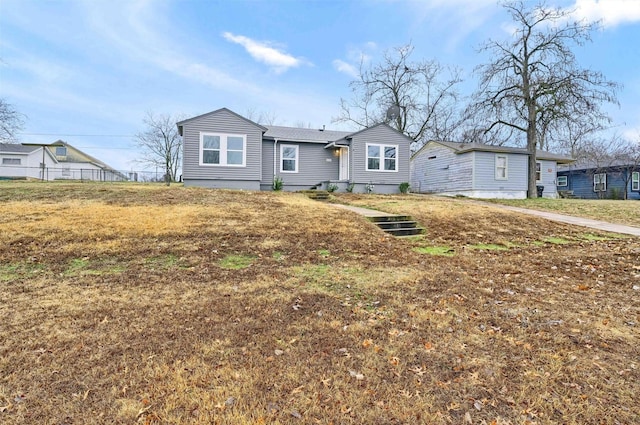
435,250
488,247
236,262
324,253
592,237
556,241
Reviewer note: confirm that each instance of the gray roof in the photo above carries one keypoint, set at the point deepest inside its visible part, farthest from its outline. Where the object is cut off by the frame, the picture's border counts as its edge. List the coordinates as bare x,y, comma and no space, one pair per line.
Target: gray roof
469,147
294,134
17,148
591,164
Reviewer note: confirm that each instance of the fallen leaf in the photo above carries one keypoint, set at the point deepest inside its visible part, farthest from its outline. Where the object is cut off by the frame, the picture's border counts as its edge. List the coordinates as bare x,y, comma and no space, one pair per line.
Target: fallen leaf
428,346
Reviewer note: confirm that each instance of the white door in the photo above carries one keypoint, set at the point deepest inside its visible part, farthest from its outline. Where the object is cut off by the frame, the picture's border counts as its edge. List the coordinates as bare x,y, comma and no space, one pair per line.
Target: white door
344,163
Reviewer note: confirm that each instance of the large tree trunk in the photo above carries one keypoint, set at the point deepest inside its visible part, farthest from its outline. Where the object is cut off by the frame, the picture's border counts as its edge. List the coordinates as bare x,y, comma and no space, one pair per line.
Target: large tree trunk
532,191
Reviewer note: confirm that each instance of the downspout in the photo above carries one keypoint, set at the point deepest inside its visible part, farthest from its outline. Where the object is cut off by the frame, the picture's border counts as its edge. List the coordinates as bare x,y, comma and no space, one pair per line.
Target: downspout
275,160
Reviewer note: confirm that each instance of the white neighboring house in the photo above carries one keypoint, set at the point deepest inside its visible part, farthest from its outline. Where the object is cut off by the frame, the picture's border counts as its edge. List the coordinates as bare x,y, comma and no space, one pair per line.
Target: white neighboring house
481,171
56,161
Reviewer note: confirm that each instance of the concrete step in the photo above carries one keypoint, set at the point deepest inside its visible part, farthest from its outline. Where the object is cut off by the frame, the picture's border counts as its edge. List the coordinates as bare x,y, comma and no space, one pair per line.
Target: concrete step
318,195
397,225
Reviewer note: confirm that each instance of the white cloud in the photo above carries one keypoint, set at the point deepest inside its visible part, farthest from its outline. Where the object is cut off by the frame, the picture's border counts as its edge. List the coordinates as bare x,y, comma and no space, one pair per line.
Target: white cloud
356,56
610,12
345,68
265,52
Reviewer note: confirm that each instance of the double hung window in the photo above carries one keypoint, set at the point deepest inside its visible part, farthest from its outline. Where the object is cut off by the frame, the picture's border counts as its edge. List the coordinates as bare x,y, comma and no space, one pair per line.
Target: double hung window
382,157
223,149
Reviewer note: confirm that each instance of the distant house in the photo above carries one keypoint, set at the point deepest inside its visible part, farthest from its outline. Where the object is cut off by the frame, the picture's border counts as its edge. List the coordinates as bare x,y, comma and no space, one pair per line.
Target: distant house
589,180
55,161
481,171
222,149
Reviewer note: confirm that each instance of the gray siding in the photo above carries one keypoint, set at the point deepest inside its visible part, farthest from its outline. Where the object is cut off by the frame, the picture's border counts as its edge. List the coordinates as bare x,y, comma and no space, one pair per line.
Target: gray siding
316,164
437,168
383,180
221,121
267,164
485,172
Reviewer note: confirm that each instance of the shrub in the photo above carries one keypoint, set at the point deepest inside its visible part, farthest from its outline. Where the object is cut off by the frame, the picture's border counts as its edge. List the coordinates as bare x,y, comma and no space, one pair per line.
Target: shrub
369,187
404,187
332,188
350,187
278,183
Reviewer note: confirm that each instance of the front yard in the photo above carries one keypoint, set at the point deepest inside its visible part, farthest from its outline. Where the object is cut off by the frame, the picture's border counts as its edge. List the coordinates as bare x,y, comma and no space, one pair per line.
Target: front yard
129,304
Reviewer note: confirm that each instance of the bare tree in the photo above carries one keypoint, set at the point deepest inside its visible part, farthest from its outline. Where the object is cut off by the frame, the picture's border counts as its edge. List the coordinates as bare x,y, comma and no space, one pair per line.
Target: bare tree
628,160
11,122
265,118
534,80
161,144
425,92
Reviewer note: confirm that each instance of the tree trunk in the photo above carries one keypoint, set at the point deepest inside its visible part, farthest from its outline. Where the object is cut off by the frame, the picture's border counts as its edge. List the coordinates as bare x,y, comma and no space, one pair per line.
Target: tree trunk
532,191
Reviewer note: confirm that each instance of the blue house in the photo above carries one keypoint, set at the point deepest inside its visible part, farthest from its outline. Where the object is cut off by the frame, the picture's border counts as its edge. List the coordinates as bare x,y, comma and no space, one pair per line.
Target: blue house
222,149
481,171
588,180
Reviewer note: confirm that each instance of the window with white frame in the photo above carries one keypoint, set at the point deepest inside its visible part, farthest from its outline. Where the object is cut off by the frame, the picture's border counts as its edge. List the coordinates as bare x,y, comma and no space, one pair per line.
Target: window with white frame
635,180
382,157
223,149
11,161
600,182
538,171
61,151
502,164
562,181
289,158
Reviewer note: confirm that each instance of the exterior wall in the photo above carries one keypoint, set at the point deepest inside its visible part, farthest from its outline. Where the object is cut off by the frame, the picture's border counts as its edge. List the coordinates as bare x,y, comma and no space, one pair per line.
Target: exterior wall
581,183
484,173
315,165
223,184
382,180
223,122
548,175
438,169
487,194
266,182
29,165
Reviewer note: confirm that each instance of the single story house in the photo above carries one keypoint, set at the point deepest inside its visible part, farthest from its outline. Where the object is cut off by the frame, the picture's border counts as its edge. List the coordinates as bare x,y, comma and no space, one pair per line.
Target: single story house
589,180
56,161
481,171
222,149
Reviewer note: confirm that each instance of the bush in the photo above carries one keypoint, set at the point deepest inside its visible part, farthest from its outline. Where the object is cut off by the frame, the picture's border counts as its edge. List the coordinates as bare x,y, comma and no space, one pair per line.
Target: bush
278,183
404,187
369,187
350,187
332,188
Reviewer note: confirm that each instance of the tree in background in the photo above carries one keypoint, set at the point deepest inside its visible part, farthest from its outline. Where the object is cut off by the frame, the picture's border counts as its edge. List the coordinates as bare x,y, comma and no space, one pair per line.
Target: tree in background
161,144
11,122
425,92
533,79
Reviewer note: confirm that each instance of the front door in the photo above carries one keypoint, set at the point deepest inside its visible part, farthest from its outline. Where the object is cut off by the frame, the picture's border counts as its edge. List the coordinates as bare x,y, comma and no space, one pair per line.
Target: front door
344,163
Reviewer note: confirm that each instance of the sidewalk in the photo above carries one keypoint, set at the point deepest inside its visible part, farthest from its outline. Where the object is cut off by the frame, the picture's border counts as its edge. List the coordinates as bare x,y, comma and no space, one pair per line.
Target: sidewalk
577,221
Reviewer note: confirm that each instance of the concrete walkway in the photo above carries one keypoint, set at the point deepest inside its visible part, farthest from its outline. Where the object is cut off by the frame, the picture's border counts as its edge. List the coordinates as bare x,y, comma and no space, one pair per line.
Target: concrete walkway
577,221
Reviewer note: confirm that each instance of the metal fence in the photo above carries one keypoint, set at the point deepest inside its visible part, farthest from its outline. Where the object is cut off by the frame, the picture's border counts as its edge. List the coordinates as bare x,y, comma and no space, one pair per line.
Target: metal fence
80,174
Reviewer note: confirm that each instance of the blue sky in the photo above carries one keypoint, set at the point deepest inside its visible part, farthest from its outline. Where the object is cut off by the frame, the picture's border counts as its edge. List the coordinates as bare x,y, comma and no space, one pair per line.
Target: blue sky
87,72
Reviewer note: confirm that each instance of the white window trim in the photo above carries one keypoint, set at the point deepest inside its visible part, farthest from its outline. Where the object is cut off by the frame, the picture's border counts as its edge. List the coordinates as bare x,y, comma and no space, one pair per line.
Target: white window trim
600,181
223,150
565,179
635,180
538,172
381,158
506,167
297,148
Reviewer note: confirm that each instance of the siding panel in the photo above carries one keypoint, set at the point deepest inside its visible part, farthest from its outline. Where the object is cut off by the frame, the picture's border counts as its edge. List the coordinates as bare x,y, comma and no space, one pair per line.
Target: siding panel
380,134
316,164
437,168
485,175
223,122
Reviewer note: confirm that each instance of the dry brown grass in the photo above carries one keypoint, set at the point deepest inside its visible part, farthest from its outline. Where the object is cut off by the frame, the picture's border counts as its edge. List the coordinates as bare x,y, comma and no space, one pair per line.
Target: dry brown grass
134,304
